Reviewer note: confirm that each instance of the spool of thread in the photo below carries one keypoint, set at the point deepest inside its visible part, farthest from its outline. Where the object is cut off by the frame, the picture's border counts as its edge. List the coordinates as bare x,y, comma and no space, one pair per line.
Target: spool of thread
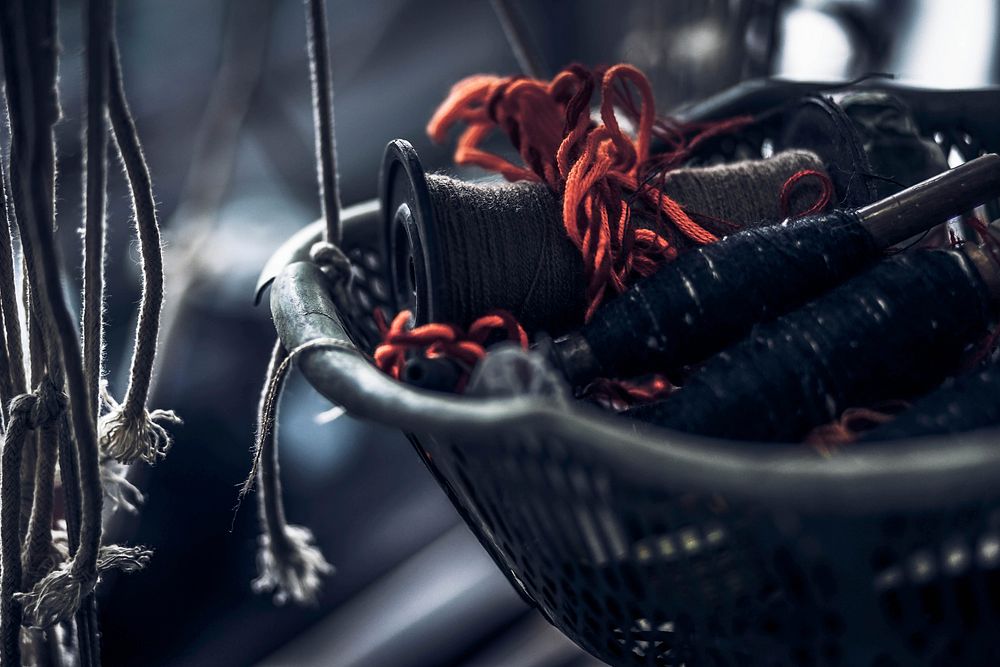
820,125
967,403
460,249
889,333
712,296
896,151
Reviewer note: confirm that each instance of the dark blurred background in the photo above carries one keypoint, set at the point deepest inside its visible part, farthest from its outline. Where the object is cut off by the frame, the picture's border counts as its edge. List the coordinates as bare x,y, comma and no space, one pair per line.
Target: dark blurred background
221,93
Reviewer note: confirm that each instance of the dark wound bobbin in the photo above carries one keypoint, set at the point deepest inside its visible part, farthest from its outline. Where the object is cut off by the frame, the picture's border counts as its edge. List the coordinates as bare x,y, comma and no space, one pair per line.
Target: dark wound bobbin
892,332
710,297
458,250
966,403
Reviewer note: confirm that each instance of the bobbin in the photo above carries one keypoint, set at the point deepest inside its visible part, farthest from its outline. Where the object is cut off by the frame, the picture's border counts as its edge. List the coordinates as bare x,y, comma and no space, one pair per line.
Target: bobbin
411,239
807,357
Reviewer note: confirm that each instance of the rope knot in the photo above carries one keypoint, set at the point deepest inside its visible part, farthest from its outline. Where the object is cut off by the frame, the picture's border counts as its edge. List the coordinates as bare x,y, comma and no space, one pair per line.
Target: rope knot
41,406
331,260
51,402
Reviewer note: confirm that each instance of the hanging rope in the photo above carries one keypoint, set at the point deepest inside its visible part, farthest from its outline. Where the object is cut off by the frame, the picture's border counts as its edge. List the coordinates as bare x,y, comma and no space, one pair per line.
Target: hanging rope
28,32
97,21
322,97
288,561
129,431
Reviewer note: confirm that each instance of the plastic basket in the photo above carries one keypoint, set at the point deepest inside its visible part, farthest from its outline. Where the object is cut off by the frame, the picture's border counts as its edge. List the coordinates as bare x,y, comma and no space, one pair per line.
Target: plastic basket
672,550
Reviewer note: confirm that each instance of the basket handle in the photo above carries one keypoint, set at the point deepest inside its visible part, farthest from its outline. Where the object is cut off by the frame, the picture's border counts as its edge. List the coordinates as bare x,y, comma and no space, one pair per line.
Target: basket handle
304,311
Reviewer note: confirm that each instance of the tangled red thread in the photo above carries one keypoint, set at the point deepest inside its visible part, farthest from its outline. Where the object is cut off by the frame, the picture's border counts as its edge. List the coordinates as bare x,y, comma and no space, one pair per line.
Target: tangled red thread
822,199
595,167
467,348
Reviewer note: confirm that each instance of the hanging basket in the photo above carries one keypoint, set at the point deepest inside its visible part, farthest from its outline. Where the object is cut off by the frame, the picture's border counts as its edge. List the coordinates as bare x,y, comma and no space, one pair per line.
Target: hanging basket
666,549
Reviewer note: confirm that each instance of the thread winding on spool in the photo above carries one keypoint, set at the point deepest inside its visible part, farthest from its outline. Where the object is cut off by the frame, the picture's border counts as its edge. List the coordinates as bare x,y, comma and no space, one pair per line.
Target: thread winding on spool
966,403
458,249
713,295
891,332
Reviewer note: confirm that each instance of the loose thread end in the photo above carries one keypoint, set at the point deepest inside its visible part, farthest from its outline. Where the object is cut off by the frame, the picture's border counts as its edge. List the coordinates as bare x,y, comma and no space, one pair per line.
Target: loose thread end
128,439
56,598
119,493
293,572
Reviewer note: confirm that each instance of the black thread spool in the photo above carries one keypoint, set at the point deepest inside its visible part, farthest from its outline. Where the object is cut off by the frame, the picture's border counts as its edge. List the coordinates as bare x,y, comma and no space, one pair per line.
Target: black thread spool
711,296
889,333
458,250
966,403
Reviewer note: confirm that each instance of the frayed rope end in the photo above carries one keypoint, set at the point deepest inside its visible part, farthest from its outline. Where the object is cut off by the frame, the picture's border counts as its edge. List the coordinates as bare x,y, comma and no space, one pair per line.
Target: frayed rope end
129,439
119,493
57,596
293,572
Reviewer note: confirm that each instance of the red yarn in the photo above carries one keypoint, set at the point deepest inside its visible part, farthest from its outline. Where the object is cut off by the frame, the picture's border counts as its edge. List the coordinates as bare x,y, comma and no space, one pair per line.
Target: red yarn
822,200
620,394
441,340
594,167
852,424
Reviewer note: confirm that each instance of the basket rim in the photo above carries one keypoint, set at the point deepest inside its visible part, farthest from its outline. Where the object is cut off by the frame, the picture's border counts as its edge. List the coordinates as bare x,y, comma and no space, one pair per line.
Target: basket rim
874,477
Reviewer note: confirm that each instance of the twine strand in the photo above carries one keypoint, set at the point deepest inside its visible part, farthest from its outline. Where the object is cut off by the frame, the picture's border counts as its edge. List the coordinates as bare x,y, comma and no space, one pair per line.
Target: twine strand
129,431
288,561
34,111
97,20
322,100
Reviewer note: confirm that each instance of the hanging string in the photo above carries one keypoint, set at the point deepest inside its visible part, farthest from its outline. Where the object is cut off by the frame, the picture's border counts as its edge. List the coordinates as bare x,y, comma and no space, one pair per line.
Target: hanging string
322,96
528,58
37,550
8,297
97,20
33,114
288,561
435,341
130,431
98,24
10,543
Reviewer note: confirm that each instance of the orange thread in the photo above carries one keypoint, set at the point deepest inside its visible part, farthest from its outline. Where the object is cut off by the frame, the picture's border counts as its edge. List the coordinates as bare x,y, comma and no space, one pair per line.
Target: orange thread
595,167
822,200
620,394
441,340
852,424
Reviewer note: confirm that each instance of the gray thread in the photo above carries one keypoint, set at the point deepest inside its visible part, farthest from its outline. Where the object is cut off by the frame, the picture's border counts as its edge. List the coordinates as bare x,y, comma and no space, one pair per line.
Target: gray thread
322,96
288,561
